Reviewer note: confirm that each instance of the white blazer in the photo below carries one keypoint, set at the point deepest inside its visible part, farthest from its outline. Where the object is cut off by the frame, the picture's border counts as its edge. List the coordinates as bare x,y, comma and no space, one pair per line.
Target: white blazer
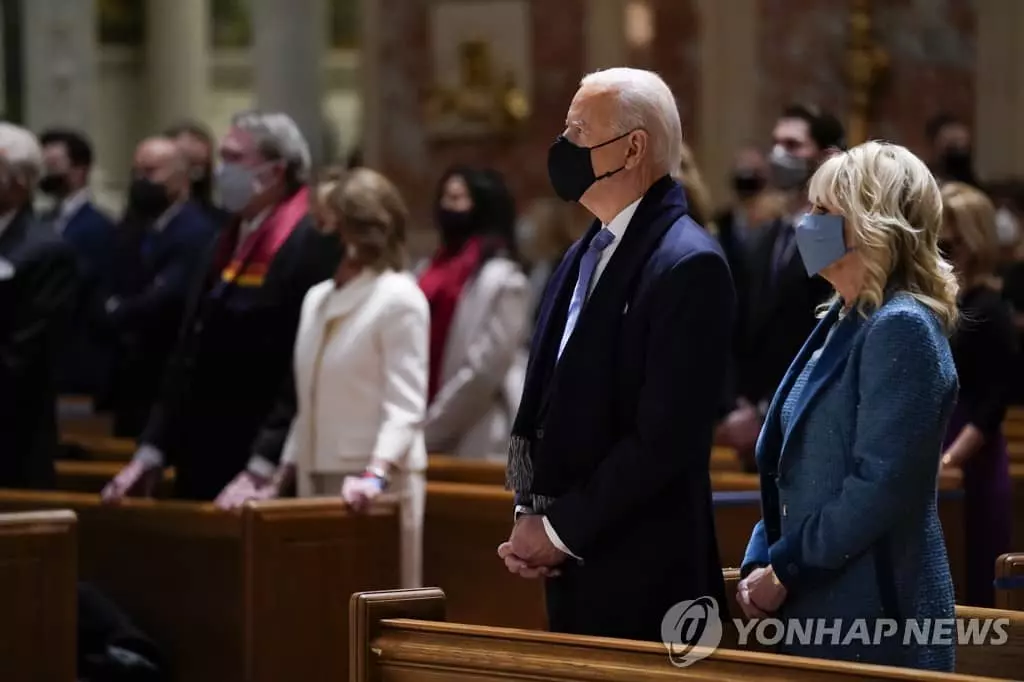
361,356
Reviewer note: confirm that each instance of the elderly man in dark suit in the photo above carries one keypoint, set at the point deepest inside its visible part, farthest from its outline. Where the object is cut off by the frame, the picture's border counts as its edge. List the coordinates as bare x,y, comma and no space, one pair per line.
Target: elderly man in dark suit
611,445
161,241
38,286
67,163
234,354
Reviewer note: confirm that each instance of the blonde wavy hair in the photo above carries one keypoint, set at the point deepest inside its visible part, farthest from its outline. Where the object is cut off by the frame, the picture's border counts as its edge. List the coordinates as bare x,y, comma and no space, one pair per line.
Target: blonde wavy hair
971,216
893,205
689,176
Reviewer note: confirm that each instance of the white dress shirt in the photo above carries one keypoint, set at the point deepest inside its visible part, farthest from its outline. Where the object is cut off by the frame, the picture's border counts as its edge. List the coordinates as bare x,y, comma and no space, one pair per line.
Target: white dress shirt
617,227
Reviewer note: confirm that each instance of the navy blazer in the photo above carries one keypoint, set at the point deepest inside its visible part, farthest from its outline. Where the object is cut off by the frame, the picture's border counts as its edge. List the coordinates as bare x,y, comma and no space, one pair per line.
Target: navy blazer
849,513
86,359
624,435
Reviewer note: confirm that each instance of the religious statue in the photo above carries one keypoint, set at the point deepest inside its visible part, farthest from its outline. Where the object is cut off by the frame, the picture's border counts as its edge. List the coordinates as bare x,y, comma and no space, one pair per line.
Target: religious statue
483,100
866,63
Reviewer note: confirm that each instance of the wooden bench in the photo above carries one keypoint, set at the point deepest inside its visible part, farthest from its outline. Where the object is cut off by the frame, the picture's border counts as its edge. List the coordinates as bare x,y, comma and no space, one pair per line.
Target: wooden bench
259,595
465,523
403,636
38,591
81,476
1010,582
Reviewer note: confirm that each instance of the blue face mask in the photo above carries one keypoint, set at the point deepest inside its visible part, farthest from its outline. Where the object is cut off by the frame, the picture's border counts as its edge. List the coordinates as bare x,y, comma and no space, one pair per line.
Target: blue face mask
820,240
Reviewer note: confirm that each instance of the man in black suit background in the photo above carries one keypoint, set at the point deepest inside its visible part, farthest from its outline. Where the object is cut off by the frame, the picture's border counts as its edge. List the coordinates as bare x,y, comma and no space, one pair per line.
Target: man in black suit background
162,238
779,299
38,288
611,445
67,164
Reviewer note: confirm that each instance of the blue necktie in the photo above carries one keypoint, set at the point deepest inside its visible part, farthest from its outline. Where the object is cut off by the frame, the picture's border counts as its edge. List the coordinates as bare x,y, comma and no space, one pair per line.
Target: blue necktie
588,265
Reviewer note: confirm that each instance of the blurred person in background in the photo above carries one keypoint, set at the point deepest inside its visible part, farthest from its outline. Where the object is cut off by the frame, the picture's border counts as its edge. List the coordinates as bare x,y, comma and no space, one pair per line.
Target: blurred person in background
984,348
779,300
161,242
545,231
234,354
698,196
38,295
197,144
952,149
361,357
479,303
67,164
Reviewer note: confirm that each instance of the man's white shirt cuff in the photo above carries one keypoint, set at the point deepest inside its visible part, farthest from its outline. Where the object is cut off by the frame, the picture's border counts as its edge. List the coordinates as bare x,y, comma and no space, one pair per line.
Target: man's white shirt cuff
149,456
555,540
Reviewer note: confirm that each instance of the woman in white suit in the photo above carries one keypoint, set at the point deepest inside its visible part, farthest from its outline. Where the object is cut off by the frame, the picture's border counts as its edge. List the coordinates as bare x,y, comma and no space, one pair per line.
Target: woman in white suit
361,366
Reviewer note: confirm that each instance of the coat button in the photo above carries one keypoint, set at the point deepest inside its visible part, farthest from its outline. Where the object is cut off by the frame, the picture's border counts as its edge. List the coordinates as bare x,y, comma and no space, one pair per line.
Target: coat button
540,434
792,569
198,328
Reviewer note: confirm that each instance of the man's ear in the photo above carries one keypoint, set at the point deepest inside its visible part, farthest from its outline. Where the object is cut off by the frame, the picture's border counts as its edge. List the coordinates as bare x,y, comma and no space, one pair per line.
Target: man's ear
638,145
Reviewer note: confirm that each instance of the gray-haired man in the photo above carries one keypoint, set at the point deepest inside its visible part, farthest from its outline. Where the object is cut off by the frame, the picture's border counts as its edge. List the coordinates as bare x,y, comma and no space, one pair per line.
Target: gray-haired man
218,419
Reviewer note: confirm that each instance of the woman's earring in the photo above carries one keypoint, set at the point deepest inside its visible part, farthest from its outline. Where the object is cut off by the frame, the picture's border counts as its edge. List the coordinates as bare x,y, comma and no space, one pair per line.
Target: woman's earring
351,252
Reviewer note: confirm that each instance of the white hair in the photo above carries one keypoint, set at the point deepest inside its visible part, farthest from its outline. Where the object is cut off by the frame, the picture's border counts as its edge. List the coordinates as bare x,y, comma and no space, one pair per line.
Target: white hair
278,137
21,151
645,102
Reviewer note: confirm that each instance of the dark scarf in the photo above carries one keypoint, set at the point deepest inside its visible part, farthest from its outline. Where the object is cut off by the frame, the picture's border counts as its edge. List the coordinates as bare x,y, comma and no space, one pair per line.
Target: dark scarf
442,283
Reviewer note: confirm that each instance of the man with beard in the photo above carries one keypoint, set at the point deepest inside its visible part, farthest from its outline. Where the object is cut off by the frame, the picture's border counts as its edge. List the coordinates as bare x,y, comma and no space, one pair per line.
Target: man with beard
160,243
778,299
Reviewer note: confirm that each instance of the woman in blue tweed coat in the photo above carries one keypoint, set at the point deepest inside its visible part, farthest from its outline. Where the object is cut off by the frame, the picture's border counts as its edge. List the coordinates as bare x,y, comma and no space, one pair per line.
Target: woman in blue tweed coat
850,448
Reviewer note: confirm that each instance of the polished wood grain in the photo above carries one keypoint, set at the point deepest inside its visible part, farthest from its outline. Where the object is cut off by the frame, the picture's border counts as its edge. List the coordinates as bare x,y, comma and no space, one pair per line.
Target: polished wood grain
1010,581
256,596
401,636
38,596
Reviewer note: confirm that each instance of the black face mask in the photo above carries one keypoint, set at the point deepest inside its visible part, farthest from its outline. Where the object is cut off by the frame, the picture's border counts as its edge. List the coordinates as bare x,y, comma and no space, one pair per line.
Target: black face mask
958,164
570,169
55,185
456,226
147,199
747,183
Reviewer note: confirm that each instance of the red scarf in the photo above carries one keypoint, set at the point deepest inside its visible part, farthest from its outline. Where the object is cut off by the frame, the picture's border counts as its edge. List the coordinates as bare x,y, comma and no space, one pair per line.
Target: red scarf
442,283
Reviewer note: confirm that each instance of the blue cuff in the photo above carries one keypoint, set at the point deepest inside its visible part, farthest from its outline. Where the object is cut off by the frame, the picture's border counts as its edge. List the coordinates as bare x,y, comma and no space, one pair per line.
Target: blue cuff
787,559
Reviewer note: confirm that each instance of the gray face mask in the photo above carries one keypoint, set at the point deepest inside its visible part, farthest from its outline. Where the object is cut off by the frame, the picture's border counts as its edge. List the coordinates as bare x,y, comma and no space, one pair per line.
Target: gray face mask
236,186
788,172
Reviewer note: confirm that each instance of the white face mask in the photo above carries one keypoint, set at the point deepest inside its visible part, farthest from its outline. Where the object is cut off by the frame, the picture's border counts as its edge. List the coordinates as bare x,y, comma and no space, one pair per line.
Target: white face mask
1007,227
237,185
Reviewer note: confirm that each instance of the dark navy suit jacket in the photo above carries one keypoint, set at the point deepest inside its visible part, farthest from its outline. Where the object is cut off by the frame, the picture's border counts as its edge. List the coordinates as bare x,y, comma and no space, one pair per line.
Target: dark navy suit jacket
86,360
624,431
155,269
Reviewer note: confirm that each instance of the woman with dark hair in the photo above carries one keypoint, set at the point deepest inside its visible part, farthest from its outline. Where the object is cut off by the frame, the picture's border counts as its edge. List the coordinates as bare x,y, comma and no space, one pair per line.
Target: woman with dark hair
478,311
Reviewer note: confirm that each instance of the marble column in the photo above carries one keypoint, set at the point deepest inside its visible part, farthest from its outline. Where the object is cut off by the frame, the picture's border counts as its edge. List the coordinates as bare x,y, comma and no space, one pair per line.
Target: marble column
606,36
177,60
728,87
289,40
59,63
999,89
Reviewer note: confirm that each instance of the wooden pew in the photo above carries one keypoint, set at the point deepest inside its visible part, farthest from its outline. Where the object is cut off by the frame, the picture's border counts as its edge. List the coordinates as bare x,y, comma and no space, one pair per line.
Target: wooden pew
465,523
259,595
1009,582
403,636
76,415
38,591
78,476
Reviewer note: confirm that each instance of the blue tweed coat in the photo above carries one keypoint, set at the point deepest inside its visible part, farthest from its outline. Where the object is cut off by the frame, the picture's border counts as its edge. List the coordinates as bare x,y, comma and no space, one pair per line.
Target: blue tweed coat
849,518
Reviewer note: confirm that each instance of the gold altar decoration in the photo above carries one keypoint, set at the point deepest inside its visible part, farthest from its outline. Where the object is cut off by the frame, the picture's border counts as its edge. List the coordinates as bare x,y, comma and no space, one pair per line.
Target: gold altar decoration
866,65
485,100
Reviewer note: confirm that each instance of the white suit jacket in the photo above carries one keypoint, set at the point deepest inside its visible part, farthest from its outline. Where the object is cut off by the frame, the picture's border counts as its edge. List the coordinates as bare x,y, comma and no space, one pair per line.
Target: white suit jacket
483,367
361,356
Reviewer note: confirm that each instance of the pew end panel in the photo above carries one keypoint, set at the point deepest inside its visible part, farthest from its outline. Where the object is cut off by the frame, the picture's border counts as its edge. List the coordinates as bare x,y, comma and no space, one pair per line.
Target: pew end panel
367,610
464,526
1009,582
401,637
305,558
38,590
